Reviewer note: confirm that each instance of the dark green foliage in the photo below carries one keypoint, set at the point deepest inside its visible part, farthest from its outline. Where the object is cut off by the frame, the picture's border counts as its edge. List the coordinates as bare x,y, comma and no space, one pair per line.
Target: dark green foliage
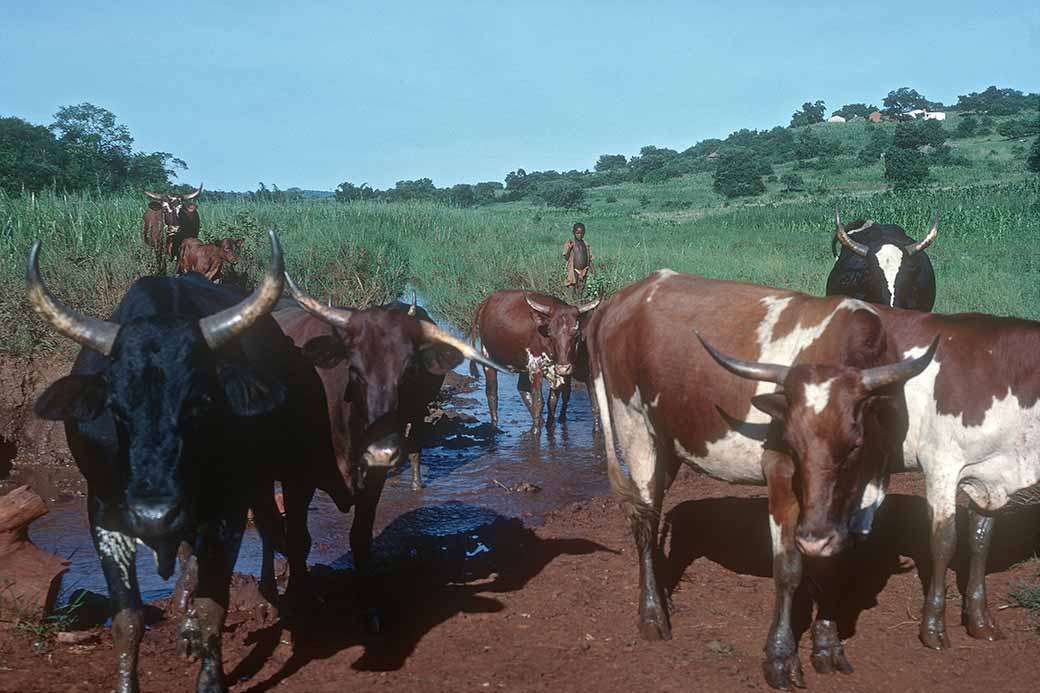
348,192
903,100
1017,129
462,195
998,101
811,145
738,174
918,133
966,127
792,182
879,142
562,193
30,156
855,110
810,113
905,168
611,162
1033,161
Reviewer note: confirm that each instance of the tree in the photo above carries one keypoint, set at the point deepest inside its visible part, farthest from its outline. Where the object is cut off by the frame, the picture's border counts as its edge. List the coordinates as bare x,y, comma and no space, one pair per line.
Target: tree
809,145
737,174
905,167
810,113
348,192
876,146
30,156
153,171
562,193
1033,161
998,101
855,110
966,127
904,99
1018,129
97,149
792,182
611,162
461,195
484,193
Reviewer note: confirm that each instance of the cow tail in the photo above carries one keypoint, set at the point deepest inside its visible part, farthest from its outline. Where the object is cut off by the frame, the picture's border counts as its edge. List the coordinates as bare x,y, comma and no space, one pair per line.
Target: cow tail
473,370
633,503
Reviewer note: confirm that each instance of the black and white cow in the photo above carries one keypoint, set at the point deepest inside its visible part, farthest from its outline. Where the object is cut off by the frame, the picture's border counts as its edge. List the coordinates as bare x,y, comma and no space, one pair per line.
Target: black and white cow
879,263
166,412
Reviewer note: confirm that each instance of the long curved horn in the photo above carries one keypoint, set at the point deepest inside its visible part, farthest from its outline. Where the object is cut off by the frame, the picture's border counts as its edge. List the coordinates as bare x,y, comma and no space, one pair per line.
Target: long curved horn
432,333
153,196
873,378
845,240
927,241
768,372
334,316
587,307
413,309
92,333
221,327
192,195
535,305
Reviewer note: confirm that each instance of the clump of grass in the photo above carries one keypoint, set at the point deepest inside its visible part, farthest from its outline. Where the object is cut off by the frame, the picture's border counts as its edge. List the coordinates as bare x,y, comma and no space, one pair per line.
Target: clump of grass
44,629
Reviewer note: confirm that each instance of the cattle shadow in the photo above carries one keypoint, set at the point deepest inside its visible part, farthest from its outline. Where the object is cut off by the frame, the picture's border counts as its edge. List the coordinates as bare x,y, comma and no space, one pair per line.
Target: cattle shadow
423,580
734,533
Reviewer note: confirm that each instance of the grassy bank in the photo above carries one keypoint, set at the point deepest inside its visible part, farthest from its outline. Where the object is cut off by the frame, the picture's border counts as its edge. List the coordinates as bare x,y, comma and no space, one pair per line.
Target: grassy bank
986,256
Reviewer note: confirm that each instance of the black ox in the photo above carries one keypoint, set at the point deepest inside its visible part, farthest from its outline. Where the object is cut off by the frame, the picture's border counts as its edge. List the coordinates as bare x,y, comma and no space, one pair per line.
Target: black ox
879,263
171,411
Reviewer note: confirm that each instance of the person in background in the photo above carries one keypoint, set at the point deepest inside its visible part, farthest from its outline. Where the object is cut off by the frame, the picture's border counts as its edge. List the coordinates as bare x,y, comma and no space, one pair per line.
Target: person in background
578,254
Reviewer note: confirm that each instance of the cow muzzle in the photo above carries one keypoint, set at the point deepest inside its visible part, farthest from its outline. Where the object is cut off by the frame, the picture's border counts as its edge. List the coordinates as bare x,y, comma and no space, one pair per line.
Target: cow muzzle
819,544
384,453
154,518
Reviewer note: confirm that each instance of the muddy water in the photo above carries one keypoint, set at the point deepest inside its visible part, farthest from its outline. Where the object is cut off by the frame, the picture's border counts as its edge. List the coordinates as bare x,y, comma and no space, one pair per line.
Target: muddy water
466,476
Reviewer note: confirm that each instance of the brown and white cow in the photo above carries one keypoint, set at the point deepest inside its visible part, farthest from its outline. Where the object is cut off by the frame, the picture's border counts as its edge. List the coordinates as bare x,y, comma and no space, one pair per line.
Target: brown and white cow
162,223
208,258
534,334
975,426
835,423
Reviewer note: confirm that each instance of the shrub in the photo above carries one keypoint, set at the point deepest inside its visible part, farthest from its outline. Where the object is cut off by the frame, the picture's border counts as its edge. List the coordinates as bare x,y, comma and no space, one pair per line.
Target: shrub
738,174
792,182
905,167
562,193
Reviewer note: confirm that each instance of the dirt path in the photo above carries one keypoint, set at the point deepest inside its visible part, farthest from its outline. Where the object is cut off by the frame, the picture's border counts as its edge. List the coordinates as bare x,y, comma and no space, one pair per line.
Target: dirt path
554,607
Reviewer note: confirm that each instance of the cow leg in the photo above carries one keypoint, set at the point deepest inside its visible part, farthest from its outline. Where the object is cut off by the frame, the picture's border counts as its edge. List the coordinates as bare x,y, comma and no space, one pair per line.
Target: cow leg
491,389
361,544
118,553
297,497
828,654
975,611
554,396
217,549
271,527
417,432
942,508
565,399
184,590
782,668
534,400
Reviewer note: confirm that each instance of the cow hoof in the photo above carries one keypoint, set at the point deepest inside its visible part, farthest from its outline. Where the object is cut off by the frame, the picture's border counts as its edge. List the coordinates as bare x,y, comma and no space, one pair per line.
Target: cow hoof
985,629
189,642
828,660
934,638
210,681
783,673
418,486
653,630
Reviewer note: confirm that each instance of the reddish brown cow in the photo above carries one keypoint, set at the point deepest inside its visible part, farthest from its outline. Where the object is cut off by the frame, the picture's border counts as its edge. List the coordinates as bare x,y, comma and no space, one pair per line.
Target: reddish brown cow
536,335
162,224
380,367
188,227
821,442
208,258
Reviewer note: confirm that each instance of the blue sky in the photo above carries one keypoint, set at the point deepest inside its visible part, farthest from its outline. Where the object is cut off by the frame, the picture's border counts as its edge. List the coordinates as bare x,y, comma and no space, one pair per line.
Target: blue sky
310,94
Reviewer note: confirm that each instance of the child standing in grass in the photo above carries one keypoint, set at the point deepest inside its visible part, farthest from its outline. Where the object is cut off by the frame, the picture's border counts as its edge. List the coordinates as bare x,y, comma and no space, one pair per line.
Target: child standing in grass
578,254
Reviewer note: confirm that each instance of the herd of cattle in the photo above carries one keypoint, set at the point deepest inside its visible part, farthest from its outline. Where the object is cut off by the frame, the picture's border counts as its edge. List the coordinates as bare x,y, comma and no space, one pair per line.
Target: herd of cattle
190,402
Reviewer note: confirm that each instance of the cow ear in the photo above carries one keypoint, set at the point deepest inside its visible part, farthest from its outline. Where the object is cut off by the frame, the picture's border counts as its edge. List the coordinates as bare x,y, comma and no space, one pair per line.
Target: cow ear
439,358
75,397
774,404
247,393
325,351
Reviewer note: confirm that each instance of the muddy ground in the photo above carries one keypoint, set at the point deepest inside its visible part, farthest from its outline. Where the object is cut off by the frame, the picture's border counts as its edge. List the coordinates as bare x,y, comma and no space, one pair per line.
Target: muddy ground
550,603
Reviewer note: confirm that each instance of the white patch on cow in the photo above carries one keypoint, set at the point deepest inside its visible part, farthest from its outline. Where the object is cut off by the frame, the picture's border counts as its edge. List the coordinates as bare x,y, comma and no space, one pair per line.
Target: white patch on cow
817,395
662,275
737,456
989,461
543,364
775,532
635,436
118,548
890,258
655,400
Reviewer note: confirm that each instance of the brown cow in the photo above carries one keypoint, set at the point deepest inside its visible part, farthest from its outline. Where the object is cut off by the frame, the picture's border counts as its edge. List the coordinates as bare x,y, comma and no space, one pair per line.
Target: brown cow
536,335
208,258
162,223
836,422
379,368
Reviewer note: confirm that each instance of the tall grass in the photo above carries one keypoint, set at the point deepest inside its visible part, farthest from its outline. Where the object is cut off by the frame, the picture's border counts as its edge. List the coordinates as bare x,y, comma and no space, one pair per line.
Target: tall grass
986,255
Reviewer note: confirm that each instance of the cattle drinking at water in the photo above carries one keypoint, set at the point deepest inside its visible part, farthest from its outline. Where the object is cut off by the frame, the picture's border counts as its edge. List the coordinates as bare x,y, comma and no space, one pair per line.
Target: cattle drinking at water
837,421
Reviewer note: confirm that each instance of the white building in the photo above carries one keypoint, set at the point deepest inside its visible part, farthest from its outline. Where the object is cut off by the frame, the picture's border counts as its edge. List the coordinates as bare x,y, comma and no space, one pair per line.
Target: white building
835,119
938,115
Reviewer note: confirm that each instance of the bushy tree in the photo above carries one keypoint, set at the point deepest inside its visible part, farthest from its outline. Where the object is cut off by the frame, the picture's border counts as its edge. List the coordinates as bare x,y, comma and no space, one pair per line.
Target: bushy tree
611,162
348,192
879,142
792,182
855,110
810,113
462,195
901,101
905,167
914,134
966,127
737,174
1033,160
998,101
485,193
562,193
1018,129
30,156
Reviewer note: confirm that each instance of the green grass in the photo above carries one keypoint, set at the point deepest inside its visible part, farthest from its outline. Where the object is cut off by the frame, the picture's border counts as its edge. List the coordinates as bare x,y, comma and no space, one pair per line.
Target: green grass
986,256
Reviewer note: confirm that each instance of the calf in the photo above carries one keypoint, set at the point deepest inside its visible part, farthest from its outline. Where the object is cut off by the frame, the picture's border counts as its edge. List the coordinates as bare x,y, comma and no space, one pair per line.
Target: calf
883,265
168,412
534,334
208,259
836,423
